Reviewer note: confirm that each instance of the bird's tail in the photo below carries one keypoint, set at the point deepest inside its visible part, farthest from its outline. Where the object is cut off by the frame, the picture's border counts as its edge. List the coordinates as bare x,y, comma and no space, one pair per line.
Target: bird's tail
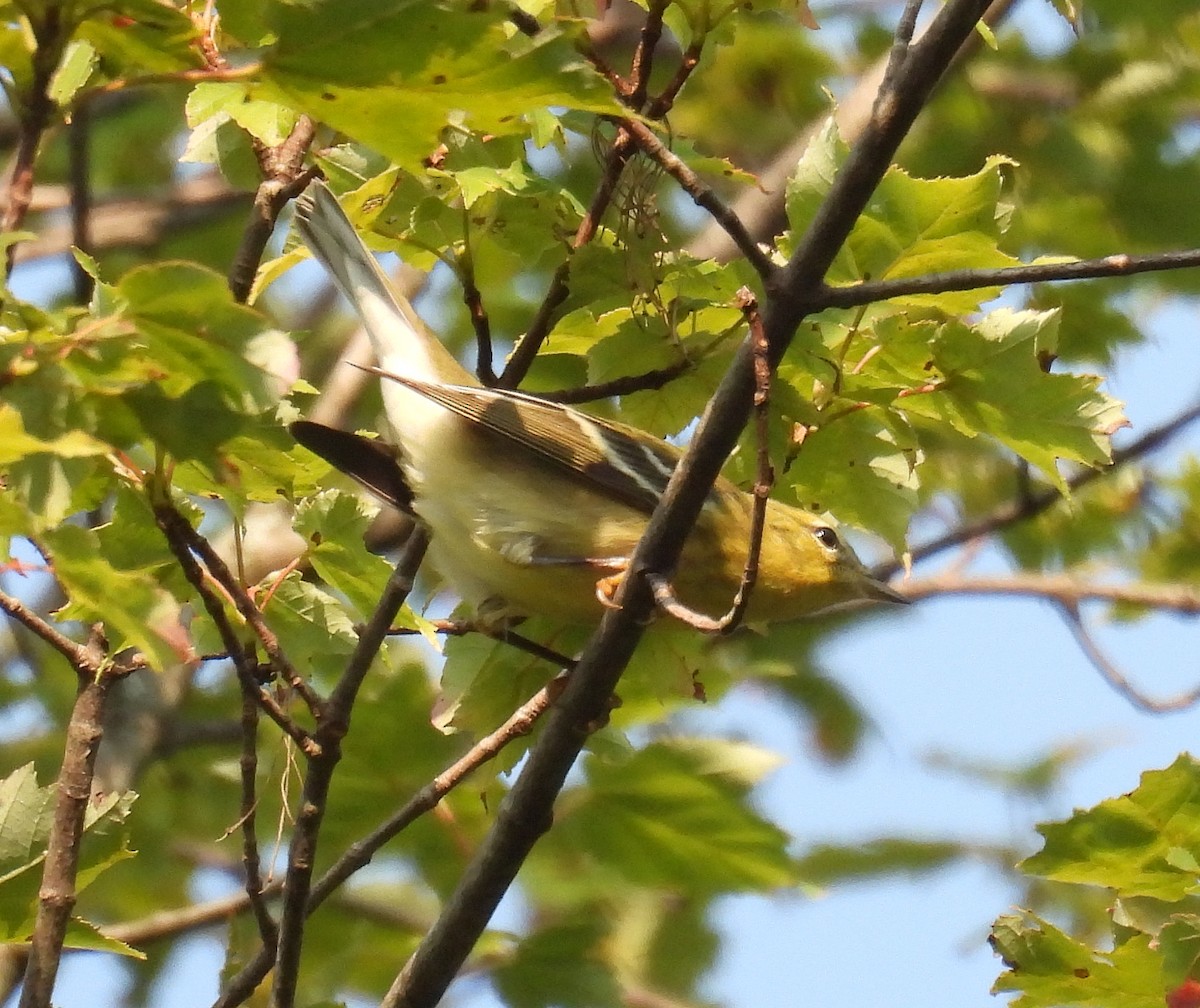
401,342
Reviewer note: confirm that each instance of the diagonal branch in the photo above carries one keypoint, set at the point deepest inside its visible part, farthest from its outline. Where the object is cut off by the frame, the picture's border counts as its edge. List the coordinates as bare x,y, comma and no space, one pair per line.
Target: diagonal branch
526,812
761,208
664,593
358,855
172,520
521,359
319,777
179,533
251,862
35,109
87,663
703,195
1060,588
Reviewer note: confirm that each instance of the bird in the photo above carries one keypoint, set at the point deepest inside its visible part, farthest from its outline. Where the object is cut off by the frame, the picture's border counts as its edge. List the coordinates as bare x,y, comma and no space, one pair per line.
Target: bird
535,508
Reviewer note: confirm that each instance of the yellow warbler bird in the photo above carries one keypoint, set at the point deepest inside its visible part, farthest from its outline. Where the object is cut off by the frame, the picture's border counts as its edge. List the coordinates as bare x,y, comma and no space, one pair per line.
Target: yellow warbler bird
532,504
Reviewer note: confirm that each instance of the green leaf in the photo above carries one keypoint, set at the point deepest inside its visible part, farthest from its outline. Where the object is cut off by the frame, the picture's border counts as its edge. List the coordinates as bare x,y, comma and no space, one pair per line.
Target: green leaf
143,37
334,524
677,814
828,863
362,66
134,609
557,966
484,681
1049,968
317,631
15,444
193,425
25,816
910,227
990,380
83,934
76,66
1179,942
673,666
1145,843
266,121
861,466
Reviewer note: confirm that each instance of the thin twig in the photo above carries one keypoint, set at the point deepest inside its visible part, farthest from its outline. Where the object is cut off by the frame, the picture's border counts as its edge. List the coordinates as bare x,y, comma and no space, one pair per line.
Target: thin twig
284,176
901,42
34,114
1060,588
625,385
246,72
86,663
619,153
1115,677
330,731
870,291
245,606
251,863
519,723
171,923
688,62
703,195
460,628
179,534
664,592
525,22
473,299
78,171
766,474
643,57
527,347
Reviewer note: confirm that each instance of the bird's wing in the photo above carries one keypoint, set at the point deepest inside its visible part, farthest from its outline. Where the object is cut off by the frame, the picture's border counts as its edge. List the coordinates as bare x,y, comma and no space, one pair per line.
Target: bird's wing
625,465
372,463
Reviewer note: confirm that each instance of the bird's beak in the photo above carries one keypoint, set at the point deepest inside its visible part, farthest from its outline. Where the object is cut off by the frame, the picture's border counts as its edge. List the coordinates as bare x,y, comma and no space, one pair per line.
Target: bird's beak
880,591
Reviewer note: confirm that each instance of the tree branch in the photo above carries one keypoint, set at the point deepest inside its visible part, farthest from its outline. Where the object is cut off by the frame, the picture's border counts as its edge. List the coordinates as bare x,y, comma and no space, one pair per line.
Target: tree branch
527,347
761,209
57,894
251,863
1061,588
33,115
519,723
1116,678
1119,264
526,811
181,528
86,662
78,169
284,176
624,385
702,195
179,534
329,734
643,56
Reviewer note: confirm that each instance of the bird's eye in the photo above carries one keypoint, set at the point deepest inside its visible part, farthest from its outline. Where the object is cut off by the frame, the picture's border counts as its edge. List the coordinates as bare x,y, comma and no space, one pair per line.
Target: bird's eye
826,536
